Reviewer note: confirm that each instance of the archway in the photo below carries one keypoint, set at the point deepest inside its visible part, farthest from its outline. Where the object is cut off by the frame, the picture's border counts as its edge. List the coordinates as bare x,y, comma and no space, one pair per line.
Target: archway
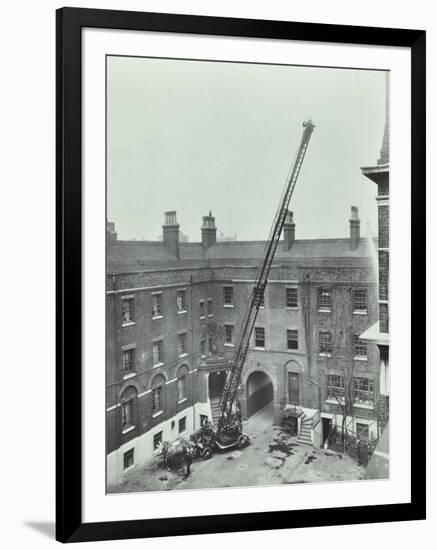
259,392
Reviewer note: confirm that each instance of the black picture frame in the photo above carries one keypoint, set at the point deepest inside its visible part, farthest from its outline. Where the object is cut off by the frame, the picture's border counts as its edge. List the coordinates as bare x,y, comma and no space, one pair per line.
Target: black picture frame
69,23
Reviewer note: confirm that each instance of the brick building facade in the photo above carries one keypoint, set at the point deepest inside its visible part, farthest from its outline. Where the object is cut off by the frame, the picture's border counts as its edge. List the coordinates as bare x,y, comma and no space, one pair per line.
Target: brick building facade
172,319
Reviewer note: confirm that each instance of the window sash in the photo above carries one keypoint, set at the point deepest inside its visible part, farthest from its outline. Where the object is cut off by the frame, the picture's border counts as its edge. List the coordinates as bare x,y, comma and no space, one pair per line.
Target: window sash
157,399
182,387
260,337
202,309
157,352
360,347
363,391
292,339
182,343
128,360
127,310
181,300
228,294
127,410
360,300
335,386
325,342
209,307
157,439
291,297
229,330
182,424
156,305
325,299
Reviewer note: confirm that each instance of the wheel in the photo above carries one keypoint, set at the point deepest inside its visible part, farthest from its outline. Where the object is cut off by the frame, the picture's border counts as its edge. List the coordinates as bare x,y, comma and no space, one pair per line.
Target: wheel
207,453
243,441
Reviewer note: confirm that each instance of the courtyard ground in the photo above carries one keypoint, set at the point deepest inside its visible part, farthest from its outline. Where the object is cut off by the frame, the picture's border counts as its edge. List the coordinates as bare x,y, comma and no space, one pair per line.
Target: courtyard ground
272,458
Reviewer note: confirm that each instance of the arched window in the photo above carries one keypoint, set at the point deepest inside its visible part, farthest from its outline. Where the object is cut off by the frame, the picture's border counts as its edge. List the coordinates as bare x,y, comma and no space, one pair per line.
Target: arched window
158,393
182,381
128,403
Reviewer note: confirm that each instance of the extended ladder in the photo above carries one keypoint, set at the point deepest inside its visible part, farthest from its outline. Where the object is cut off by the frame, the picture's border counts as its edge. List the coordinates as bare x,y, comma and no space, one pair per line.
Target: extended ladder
230,390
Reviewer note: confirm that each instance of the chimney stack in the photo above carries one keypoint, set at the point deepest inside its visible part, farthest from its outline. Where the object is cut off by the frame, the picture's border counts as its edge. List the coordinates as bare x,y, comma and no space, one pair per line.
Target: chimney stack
110,231
209,230
354,228
289,231
170,233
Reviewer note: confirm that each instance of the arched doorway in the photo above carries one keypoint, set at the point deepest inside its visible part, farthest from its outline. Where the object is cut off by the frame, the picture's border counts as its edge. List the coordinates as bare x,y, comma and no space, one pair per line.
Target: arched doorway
259,392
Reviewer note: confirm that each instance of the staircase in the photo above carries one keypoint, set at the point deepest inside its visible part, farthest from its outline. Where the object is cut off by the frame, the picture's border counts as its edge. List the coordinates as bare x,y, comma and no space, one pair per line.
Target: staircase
215,411
306,424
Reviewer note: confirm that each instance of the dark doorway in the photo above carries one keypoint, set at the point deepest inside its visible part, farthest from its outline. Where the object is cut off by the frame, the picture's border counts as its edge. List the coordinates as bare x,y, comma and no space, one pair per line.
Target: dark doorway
293,388
259,392
216,382
326,426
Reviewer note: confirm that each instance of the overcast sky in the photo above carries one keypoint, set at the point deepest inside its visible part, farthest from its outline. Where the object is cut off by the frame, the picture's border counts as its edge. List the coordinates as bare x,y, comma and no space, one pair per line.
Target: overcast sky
194,136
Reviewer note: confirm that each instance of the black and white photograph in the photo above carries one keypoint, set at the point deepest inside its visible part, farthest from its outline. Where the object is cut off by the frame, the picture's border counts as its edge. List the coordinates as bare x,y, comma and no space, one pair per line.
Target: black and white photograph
247,274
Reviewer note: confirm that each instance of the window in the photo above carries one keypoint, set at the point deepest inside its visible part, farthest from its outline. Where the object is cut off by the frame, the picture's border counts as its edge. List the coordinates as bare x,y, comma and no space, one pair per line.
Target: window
182,424
360,347
325,342
261,297
209,306
182,343
362,431
260,339
229,333
228,295
202,308
128,360
127,310
363,391
325,299
291,297
127,414
156,305
181,300
157,352
335,387
360,300
210,344
157,440
182,387
203,348
128,459
158,386
292,339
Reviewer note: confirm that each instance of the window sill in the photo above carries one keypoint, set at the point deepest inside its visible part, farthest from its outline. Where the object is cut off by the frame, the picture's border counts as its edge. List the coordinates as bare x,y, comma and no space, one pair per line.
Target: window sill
129,375
202,317
184,354
129,324
128,468
325,354
325,310
182,400
182,433
156,317
257,348
229,345
291,350
334,402
157,413
181,311
127,430
360,312
203,356
156,365
228,305
292,308
210,315
363,406
360,358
